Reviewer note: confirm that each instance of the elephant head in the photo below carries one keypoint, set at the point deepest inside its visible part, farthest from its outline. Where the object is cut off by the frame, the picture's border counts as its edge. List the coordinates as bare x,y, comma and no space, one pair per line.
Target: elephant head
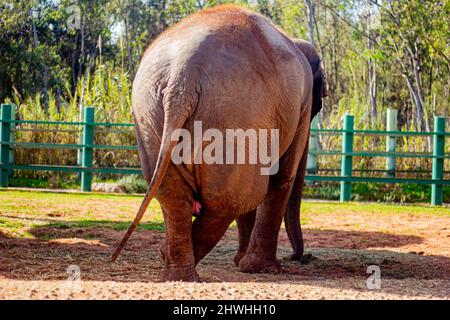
320,87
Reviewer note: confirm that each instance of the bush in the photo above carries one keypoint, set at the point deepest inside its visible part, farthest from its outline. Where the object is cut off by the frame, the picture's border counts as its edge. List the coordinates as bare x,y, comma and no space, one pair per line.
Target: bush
375,192
133,184
55,181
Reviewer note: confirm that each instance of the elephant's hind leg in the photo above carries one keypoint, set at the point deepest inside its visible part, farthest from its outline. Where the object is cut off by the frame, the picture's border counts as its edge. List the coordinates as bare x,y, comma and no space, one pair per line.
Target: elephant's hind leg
178,254
261,252
292,214
245,224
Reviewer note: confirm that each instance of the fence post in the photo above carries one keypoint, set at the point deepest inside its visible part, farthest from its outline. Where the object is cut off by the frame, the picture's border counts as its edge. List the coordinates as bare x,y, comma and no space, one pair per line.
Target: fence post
391,141
311,163
88,152
80,141
438,160
346,163
5,139
12,138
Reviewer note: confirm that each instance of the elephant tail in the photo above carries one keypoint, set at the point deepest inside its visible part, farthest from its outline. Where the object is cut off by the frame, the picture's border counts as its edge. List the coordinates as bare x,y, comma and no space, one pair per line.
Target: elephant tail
172,122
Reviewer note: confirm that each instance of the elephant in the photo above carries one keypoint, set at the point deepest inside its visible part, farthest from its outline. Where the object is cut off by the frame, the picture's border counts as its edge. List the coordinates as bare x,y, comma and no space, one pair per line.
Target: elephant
225,67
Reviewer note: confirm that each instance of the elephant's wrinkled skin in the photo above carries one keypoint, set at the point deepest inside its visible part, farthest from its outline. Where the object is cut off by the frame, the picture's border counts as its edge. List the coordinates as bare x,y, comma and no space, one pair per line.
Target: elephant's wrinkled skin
246,222
229,68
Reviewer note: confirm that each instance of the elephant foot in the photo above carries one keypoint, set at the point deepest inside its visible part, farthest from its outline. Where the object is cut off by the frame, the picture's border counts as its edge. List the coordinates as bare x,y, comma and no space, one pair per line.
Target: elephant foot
307,258
238,257
296,257
186,274
304,258
253,263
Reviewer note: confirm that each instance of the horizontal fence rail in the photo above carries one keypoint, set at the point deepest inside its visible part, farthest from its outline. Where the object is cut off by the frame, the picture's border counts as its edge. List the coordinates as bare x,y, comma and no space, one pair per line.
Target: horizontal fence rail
9,126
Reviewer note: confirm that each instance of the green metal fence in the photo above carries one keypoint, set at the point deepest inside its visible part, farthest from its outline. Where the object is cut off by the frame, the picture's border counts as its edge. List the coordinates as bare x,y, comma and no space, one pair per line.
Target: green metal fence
8,127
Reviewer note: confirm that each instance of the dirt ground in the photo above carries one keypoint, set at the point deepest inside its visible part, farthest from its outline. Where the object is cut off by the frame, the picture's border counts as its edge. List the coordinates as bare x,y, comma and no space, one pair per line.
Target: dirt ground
410,244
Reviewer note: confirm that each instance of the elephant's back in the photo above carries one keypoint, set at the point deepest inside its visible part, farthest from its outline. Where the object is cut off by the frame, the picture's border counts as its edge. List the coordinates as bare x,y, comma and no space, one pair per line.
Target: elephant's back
225,25
246,75
227,40
235,60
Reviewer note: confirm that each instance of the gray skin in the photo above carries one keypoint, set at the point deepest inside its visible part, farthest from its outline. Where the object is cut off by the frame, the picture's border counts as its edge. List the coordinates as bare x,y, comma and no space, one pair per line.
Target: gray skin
229,68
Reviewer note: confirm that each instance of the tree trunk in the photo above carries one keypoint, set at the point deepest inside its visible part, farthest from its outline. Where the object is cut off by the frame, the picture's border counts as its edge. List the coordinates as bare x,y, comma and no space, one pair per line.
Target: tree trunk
311,21
415,86
130,58
371,69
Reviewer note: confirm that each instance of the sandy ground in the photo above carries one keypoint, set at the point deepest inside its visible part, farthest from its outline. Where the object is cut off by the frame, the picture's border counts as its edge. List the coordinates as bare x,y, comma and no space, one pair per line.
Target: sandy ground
38,270
412,251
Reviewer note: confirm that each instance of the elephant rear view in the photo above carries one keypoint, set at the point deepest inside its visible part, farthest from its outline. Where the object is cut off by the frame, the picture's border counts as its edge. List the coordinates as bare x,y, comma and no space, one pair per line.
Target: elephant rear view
218,79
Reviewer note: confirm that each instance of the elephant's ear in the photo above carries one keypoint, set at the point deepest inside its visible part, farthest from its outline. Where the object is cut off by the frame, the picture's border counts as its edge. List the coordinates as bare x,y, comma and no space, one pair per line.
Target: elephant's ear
320,87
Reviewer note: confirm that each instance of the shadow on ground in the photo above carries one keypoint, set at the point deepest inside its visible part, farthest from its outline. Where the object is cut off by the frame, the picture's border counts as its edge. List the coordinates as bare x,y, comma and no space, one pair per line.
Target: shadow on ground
89,244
